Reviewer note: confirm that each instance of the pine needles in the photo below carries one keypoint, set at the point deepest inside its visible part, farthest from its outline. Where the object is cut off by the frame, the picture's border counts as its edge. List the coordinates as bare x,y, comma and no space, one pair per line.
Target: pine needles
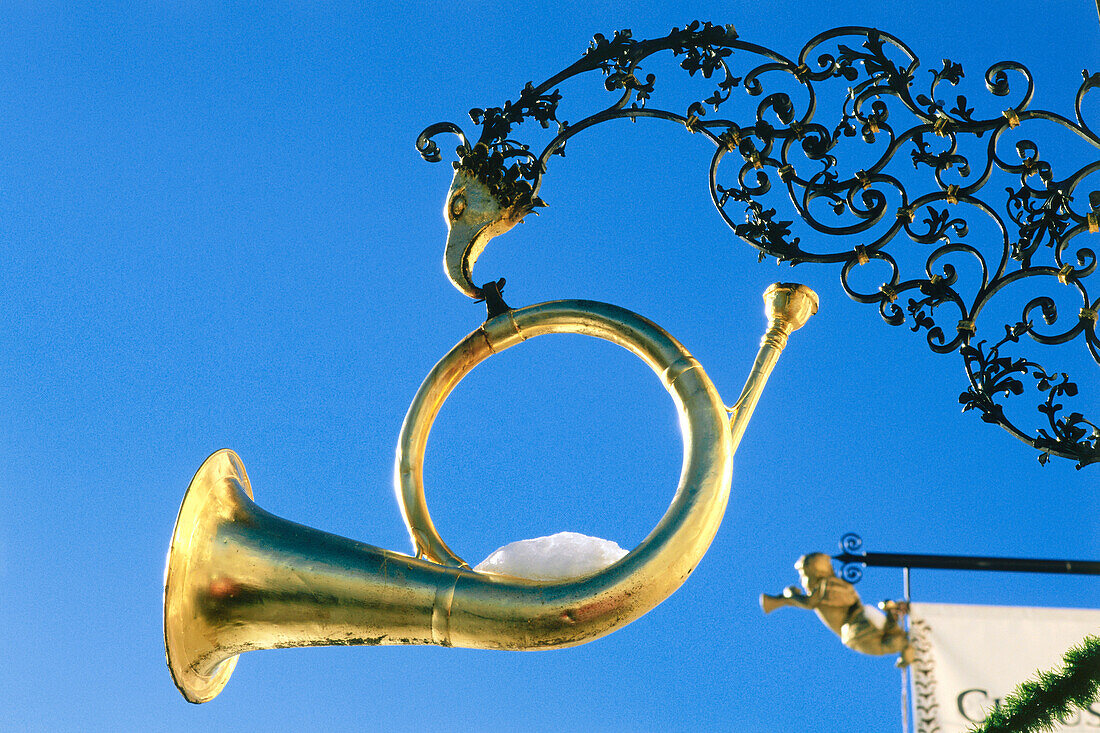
1039,705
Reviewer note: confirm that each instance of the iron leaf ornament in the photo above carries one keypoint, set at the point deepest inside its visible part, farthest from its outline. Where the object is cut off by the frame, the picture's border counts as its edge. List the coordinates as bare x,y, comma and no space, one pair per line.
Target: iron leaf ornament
921,153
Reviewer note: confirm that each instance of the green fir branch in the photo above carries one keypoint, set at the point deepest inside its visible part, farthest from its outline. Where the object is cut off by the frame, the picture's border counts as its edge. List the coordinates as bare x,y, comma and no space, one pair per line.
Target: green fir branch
1039,705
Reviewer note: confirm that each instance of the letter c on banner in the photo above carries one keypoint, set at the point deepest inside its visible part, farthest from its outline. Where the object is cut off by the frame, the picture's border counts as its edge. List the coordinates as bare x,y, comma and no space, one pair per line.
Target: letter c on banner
960,701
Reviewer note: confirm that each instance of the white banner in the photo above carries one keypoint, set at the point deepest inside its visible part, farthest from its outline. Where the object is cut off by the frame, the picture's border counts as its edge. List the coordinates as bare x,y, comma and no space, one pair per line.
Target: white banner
970,657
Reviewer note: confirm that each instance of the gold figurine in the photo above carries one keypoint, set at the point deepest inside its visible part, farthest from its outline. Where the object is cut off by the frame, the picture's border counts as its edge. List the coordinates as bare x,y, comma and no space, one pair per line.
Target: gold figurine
837,604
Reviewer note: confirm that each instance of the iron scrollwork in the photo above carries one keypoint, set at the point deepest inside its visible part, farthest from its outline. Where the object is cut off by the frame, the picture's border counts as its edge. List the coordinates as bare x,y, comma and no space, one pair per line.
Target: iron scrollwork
1027,233
851,547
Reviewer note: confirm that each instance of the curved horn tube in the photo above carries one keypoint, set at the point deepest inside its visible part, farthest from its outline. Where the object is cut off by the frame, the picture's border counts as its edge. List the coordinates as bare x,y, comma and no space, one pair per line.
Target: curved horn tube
500,612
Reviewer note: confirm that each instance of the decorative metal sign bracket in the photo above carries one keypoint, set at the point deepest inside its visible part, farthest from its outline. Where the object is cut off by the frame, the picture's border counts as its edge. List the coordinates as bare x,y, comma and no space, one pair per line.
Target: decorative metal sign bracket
854,561
890,133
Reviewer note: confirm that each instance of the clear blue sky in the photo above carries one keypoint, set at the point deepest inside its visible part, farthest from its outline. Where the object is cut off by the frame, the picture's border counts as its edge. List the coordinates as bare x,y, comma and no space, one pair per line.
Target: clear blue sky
215,232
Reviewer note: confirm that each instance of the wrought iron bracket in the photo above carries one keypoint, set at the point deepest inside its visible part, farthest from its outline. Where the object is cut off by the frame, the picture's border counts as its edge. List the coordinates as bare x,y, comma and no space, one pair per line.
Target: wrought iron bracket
494,301
915,162
854,560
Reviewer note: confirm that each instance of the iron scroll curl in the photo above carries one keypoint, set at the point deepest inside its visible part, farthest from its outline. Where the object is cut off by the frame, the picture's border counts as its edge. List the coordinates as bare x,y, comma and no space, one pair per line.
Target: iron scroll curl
851,546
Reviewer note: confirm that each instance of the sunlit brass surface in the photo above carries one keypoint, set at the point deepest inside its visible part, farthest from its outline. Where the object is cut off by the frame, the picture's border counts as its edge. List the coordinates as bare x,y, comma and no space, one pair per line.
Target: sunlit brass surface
239,578
474,216
788,306
505,613
191,578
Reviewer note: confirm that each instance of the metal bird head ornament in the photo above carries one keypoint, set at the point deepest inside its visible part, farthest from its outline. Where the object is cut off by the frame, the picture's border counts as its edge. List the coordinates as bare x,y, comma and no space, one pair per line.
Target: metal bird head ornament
474,215
490,193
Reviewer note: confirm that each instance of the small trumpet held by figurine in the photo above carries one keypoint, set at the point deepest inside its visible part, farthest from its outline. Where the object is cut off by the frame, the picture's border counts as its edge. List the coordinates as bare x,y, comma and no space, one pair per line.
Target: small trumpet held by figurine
769,602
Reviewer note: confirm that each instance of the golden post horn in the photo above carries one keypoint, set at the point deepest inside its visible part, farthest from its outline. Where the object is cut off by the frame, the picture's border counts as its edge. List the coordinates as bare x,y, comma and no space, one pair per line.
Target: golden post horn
239,578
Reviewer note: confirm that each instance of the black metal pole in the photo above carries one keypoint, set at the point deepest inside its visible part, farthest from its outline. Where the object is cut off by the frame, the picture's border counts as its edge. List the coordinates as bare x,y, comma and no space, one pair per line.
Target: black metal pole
963,562
853,559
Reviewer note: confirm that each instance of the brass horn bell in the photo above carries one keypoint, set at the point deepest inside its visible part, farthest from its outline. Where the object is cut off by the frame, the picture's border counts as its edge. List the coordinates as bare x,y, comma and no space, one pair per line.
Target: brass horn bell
239,578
